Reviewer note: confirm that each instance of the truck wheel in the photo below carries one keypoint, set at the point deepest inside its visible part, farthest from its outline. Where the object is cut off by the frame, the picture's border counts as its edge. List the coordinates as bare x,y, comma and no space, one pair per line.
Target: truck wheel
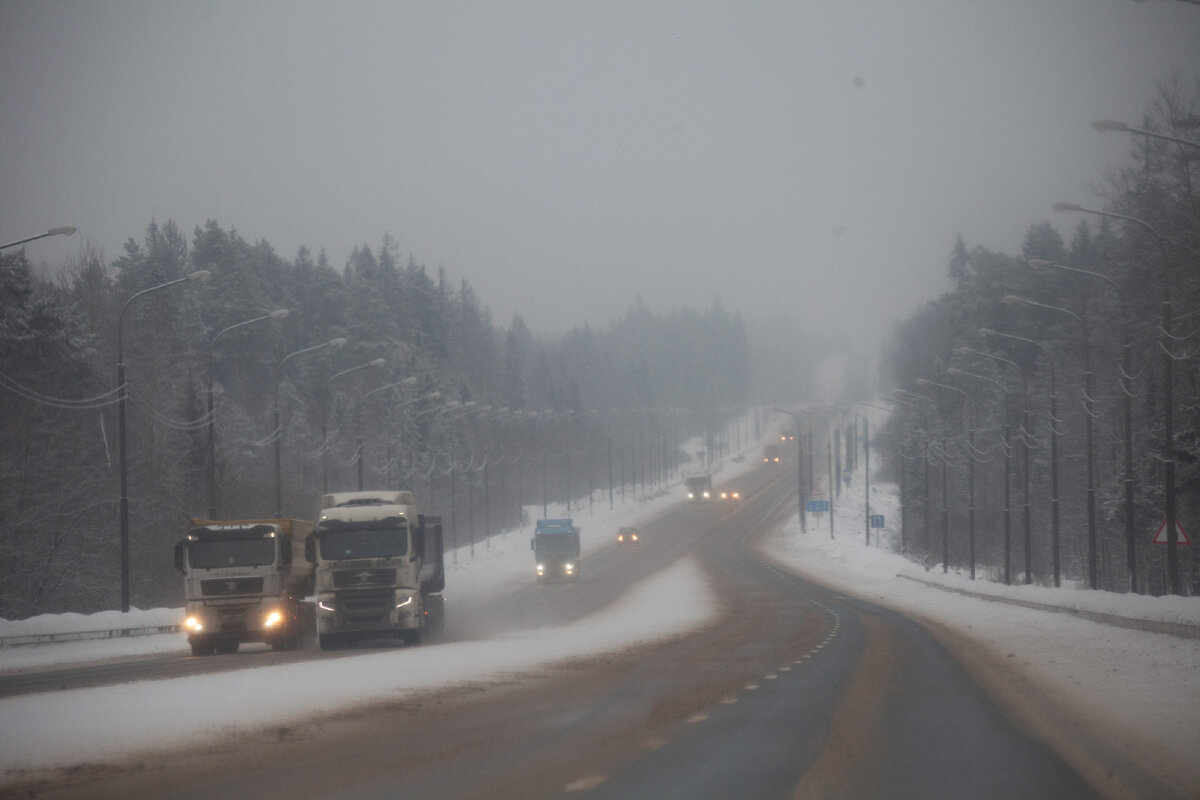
201,647
288,640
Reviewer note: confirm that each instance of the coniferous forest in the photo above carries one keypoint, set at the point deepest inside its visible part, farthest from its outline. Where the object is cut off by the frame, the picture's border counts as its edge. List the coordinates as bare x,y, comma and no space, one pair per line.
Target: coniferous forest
379,374
1066,380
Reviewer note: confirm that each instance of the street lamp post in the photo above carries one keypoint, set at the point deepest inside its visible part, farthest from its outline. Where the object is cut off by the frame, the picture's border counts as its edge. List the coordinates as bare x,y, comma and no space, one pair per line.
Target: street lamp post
1165,337
212,412
945,511
1126,383
398,384
122,393
65,230
1054,533
906,398
1104,125
377,362
1089,441
278,432
1025,436
1007,445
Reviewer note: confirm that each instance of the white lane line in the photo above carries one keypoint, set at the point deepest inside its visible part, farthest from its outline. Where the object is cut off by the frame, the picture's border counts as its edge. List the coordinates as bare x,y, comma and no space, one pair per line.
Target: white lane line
585,783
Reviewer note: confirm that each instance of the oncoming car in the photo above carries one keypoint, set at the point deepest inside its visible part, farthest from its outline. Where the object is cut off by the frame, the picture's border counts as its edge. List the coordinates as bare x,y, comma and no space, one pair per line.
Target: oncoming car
731,495
629,535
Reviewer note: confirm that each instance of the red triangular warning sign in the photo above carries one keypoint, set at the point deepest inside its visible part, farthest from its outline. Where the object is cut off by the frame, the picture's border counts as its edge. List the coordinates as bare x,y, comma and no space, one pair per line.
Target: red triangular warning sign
1181,536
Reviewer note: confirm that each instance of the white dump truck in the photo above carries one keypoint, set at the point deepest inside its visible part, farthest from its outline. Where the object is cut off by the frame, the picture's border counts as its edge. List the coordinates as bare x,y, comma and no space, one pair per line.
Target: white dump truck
245,581
379,568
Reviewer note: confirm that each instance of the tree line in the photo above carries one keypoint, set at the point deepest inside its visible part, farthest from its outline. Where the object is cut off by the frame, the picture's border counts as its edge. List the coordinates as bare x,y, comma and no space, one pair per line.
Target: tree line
381,373
1075,356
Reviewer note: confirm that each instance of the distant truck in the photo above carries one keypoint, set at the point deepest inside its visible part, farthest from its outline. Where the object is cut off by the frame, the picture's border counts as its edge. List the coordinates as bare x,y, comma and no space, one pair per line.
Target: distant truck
771,454
380,568
245,581
555,546
699,487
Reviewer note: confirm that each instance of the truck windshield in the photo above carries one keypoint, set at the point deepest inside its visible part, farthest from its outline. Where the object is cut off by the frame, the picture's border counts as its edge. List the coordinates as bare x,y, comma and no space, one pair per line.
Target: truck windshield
363,543
214,554
554,543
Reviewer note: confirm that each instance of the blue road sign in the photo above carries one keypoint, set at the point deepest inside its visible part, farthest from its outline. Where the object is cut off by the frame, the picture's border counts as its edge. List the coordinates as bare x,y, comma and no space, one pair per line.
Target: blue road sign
877,520
817,506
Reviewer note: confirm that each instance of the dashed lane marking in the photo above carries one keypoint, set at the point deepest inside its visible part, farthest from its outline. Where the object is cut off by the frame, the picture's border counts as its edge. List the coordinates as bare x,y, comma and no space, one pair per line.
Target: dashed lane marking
585,783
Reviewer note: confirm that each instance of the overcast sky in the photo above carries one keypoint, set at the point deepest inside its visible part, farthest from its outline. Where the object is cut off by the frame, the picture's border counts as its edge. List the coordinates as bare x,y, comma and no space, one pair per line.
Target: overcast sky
813,159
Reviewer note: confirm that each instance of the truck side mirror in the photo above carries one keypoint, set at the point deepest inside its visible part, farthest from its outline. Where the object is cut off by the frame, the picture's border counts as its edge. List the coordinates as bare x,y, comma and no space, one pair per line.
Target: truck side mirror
310,548
531,544
179,555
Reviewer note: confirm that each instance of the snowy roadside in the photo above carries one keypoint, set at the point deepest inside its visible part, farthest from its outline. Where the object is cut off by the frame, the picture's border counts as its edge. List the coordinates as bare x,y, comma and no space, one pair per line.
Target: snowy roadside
1108,697
63,728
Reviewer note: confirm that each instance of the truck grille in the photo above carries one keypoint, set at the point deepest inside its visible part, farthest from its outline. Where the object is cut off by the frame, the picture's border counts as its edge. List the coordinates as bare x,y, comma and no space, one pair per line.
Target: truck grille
354,578
367,608
226,586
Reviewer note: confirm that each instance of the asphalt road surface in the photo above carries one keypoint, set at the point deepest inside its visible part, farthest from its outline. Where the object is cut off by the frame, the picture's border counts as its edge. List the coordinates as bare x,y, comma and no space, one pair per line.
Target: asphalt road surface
795,691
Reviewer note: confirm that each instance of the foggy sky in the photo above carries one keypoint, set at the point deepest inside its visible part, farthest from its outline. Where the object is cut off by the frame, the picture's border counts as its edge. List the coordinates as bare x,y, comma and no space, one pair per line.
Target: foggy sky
809,159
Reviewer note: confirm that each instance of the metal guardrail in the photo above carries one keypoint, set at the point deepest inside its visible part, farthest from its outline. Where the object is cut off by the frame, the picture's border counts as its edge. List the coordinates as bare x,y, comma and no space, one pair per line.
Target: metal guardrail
75,636
1180,629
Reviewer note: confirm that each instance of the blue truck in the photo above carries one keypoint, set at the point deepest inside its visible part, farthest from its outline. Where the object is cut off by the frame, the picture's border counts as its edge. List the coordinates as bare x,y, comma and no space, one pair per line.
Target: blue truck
555,546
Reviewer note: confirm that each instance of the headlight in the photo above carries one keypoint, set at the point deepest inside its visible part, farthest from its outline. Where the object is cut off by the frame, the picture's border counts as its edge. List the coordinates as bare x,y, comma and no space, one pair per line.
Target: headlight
541,568
633,537
706,495
193,624
691,495
569,567
273,619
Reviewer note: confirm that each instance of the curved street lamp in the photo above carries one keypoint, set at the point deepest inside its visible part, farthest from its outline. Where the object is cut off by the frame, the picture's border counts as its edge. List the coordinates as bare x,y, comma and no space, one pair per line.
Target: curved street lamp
406,382
1168,455
1026,434
920,403
1054,534
1126,383
1007,474
378,362
1105,125
278,432
212,411
65,230
122,393
1088,425
925,382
